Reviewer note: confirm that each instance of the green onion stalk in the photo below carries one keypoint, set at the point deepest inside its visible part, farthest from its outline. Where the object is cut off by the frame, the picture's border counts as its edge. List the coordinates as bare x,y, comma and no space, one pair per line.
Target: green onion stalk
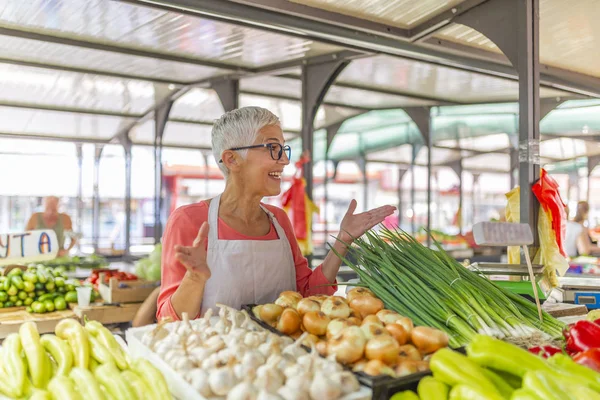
435,290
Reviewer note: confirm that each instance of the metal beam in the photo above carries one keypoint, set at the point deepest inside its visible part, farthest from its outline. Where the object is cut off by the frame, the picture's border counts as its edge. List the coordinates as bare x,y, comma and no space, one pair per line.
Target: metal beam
514,27
119,49
89,71
96,197
392,92
76,110
52,138
316,80
401,173
440,21
295,25
228,91
79,221
160,122
293,98
127,146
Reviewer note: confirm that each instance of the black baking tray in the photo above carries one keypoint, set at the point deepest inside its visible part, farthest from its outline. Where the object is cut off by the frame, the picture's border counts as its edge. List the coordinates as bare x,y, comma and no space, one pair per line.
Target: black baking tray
383,386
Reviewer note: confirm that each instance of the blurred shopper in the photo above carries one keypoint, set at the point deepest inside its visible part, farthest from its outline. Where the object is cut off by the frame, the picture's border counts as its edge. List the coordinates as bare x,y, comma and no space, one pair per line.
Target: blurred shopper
577,238
52,219
235,250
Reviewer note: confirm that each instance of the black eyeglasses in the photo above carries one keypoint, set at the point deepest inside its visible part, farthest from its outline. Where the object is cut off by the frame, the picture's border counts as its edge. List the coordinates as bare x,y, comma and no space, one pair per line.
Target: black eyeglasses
275,149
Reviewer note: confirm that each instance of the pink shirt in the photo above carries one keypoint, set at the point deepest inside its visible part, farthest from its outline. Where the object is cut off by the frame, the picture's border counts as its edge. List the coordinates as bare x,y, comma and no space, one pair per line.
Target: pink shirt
182,228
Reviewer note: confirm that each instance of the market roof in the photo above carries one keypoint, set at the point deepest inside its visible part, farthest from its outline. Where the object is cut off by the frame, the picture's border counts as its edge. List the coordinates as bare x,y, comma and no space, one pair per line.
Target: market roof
66,73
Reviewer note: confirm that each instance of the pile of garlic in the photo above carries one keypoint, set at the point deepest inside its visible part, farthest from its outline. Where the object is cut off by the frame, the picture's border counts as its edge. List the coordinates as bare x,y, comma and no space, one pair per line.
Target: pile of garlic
236,359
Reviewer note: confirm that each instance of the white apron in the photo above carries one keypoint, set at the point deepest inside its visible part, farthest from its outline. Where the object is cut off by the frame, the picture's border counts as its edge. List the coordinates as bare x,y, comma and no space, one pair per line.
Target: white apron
246,271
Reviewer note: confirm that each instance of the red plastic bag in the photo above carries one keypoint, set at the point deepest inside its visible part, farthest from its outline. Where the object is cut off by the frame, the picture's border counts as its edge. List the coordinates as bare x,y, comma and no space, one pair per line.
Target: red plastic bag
294,198
546,191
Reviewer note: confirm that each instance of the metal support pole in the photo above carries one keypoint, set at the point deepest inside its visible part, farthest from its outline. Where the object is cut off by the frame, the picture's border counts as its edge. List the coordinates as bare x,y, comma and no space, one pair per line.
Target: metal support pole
316,80
415,151
528,67
161,116
332,130
362,163
474,195
401,173
457,167
421,116
513,25
228,91
79,223
127,149
96,197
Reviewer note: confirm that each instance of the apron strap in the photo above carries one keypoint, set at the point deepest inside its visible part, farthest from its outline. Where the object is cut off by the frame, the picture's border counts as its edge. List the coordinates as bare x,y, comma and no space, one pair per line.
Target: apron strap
278,228
213,220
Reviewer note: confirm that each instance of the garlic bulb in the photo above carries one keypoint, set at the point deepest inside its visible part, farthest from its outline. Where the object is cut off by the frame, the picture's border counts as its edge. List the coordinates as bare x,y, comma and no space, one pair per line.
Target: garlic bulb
199,380
289,393
243,391
300,383
347,381
222,380
269,379
264,395
252,339
323,388
295,349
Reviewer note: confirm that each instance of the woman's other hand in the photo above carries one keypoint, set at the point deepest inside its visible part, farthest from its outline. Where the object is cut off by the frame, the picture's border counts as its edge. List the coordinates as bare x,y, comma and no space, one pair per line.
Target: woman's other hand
193,257
355,225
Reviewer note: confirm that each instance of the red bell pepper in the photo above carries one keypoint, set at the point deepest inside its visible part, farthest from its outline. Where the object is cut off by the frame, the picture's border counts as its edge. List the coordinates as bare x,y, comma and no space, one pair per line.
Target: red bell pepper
590,358
582,335
545,351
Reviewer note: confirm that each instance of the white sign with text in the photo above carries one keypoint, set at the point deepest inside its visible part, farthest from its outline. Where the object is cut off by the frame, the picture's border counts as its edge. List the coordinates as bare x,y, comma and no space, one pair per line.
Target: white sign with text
28,247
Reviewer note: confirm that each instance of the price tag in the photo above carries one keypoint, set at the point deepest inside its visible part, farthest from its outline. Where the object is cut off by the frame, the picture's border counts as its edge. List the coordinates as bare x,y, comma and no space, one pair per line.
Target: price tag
502,234
28,247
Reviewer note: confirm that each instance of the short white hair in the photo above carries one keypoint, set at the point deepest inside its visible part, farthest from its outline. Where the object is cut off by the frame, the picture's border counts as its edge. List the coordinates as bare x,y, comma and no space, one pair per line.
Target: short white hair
238,128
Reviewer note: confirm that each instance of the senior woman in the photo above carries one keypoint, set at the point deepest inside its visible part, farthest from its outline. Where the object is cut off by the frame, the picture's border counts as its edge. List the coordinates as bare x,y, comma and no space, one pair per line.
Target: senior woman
233,249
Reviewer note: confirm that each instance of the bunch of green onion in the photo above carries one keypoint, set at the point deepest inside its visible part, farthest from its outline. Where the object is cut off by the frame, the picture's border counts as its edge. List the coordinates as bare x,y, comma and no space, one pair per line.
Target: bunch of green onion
433,289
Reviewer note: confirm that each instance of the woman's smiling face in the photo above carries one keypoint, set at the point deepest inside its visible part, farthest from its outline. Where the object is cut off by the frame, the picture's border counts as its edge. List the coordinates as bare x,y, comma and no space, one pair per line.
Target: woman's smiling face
260,171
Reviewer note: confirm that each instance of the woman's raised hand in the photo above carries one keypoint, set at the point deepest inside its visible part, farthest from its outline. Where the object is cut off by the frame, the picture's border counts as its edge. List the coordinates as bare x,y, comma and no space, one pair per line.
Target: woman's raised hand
355,225
193,257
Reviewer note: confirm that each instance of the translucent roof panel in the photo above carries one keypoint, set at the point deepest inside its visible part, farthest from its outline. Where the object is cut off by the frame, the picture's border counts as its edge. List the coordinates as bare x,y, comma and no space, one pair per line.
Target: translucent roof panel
463,126
487,162
401,154
61,55
176,134
157,30
143,133
438,156
290,111
370,99
492,142
19,84
572,121
184,134
560,44
198,105
563,148
400,13
352,145
438,82
64,124
374,119
275,85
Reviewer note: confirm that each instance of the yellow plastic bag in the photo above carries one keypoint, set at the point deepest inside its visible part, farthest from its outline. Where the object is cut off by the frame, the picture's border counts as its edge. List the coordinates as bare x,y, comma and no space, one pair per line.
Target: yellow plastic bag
549,255
513,214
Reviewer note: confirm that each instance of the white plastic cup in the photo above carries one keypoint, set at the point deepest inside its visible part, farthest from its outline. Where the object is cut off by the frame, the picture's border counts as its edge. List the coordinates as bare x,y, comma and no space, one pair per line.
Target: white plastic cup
84,294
